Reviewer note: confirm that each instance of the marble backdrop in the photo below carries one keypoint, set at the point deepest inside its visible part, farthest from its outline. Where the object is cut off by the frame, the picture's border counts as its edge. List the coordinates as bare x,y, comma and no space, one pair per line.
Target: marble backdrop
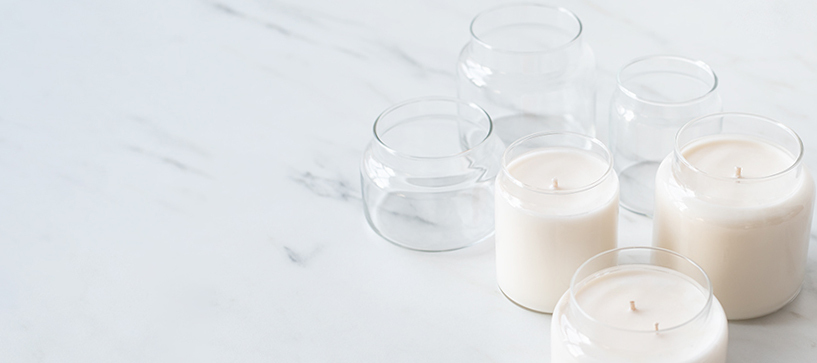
179,179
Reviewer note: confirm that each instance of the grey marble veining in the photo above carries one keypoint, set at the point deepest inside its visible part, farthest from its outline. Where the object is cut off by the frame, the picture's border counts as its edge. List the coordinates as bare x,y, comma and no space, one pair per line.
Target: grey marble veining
179,180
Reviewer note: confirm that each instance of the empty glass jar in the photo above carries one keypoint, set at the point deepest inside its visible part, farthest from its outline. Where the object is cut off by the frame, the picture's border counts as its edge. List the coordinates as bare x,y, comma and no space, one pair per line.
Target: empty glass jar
655,96
529,67
428,176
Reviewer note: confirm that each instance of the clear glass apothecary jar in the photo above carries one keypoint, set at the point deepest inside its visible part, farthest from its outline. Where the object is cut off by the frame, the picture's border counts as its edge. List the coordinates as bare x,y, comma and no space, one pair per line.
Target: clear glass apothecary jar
427,177
529,67
656,95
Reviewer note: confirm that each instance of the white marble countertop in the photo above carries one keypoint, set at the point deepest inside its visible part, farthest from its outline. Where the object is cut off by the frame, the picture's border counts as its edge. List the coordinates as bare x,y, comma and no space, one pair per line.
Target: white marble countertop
179,180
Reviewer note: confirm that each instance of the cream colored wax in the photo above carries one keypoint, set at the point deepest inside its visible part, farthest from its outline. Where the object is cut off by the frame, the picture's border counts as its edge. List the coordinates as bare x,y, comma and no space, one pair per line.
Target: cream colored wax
566,213
750,235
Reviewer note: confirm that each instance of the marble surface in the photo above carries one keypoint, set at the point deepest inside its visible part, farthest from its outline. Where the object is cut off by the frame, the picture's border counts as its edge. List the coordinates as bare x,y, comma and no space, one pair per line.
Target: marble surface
179,180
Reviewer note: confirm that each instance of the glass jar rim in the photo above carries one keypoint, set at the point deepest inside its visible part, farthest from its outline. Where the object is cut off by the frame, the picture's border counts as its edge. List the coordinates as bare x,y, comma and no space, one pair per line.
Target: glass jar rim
560,9
442,99
680,156
700,64
608,159
706,306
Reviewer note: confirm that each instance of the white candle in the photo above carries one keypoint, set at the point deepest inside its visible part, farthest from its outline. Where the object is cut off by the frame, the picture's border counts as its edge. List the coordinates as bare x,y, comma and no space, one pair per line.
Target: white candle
639,313
555,208
740,206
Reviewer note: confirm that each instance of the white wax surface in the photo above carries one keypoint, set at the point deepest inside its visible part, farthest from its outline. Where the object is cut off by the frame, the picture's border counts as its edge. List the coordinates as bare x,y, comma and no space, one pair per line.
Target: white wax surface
719,155
572,168
610,332
541,239
660,296
753,241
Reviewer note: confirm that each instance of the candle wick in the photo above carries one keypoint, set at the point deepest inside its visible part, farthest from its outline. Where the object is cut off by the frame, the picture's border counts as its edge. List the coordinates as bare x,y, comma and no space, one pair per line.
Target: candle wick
738,171
632,305
554,183
656,328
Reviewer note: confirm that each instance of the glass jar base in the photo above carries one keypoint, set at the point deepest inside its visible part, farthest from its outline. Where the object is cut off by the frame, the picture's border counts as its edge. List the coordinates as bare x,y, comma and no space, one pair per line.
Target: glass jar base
638,187
757,316
434,223
520,305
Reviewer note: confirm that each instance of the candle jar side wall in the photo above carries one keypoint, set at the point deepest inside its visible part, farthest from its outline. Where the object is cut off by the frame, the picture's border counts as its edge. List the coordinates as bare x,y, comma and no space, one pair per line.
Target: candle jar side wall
755,256
536,252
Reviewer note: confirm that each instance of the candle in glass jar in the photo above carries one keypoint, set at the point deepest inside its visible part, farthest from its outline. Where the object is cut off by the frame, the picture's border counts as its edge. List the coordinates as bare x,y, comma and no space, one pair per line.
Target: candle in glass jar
740,205
556,206
639,313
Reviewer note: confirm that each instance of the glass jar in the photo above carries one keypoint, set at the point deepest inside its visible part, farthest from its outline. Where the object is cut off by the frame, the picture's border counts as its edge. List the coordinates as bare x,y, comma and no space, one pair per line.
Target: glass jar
655,96
427,177
530,68
639,304
735,197
556,206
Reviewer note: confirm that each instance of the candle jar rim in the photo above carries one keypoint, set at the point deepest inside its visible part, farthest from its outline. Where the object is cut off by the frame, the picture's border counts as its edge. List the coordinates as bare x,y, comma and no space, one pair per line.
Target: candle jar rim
608,160
431,99
677,150
704,309
673,58
561,10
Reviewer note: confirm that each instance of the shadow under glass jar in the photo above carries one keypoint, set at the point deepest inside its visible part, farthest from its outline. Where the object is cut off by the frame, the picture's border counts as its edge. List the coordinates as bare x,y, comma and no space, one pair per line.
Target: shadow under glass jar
655,96
639,304
530,68
427,177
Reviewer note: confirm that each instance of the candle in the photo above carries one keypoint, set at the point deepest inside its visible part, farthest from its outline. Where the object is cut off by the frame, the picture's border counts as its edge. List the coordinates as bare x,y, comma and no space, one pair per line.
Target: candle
639,304
734,198
556,206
